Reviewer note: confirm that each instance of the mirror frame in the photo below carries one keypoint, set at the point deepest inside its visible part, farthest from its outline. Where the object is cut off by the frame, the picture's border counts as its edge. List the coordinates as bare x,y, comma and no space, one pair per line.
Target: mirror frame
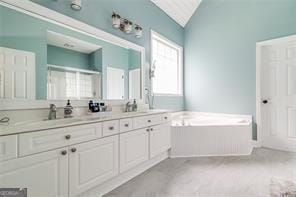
35,10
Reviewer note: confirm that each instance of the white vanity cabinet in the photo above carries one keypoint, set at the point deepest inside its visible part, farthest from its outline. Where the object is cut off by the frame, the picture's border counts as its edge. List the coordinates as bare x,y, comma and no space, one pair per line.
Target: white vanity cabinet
133,148
8,147
43,174
92,163
160,139
69,161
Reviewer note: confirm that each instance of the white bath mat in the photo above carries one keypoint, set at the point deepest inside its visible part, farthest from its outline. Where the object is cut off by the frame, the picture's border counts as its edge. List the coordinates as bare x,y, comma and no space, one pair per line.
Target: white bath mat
282,188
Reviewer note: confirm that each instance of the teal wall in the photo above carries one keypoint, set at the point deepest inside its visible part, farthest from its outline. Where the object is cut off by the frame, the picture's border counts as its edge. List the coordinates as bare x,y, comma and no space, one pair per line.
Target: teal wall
95,60
134,58
65,57
220,51
98,13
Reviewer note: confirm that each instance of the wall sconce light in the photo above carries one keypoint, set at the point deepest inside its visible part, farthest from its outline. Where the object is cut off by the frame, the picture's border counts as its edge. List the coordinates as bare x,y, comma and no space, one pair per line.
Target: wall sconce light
126,25
138,31
116,20
76,5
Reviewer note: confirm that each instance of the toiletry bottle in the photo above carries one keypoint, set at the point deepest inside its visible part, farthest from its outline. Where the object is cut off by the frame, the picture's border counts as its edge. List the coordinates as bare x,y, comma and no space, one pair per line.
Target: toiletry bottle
68,110
135,106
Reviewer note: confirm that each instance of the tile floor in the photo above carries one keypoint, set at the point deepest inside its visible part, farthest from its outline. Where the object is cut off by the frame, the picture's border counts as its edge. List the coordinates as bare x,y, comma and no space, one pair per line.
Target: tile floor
241,176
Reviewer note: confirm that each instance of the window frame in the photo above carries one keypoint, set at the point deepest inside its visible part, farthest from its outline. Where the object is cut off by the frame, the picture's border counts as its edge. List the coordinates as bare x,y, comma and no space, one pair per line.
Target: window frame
180,62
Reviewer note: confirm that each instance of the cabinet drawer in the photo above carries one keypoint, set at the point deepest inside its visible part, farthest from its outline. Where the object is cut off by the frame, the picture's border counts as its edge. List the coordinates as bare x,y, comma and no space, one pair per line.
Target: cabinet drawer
35,142
110,127
133,148
126,125
166,117
8,147
145,121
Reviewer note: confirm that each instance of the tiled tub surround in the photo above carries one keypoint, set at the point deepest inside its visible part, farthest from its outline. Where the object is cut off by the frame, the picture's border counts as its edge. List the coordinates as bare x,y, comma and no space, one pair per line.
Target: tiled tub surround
85,154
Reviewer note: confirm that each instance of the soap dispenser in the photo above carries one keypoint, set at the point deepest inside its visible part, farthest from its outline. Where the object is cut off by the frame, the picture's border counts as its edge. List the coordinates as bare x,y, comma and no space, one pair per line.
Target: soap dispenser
68,110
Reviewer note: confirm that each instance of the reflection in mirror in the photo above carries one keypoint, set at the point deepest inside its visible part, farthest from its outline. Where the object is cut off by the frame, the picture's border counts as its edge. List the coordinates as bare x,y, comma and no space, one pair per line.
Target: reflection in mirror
73,68
124,79
43,60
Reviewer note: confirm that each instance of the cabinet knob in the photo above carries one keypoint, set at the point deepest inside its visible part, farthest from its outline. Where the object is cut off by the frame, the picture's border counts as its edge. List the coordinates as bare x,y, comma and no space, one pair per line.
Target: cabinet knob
151,129
149,120
165,118
126,125
64,152
147,130
68,137
73,150
111,128
265,101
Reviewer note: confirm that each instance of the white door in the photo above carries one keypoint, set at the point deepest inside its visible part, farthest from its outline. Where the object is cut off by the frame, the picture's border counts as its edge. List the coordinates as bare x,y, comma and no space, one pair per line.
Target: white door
92,163
278,92
134,84
17,74
44,174
115,83
133,149
160,139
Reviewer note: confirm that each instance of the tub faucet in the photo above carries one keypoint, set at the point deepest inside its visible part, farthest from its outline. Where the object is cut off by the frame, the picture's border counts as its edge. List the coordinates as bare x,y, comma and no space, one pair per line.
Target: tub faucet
52,112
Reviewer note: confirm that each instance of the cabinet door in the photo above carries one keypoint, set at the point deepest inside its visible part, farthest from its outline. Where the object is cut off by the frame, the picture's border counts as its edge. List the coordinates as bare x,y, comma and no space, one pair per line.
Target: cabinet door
160,139
133,149
92,163
44,174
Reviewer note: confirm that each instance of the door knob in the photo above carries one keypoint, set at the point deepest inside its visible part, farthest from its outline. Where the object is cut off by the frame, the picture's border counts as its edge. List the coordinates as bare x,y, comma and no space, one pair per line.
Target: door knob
265,101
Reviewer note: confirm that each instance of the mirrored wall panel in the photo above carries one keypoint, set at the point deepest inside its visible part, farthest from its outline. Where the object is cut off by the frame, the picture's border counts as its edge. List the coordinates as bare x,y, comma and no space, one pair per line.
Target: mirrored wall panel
45,61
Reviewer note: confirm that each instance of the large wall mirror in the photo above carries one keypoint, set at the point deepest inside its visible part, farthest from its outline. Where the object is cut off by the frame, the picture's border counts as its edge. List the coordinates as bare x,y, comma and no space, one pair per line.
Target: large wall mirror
41,60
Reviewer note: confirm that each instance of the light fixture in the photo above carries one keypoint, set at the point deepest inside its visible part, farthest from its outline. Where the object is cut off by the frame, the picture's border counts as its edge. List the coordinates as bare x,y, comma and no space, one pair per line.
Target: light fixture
76,4
126,25
138,31
116,20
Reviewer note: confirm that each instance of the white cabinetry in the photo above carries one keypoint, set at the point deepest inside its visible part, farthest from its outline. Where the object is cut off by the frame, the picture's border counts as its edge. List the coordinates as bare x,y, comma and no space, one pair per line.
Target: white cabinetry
160,139
44,174
8,147
133,149
92,163
72,160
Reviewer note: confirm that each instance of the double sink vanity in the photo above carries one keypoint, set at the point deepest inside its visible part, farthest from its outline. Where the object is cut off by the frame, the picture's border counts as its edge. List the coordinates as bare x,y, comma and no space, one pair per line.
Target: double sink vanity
68,157
57,58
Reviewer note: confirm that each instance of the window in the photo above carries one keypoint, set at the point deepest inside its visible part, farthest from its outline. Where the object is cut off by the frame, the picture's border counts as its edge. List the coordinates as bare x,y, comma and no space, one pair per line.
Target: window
69,83
167,65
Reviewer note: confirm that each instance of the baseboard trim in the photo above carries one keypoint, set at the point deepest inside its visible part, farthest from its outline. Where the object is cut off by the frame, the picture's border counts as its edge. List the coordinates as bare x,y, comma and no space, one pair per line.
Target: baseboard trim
124,177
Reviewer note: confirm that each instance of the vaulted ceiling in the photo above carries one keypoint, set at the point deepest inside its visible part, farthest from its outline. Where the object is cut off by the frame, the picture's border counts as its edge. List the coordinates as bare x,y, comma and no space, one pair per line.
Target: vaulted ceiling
179,10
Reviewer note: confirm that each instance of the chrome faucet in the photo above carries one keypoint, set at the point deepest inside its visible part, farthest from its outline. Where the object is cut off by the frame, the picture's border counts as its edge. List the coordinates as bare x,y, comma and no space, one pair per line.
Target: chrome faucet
128,107
52,112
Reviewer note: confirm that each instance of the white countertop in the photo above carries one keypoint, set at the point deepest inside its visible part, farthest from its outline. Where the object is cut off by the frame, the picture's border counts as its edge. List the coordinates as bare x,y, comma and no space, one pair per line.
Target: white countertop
38,125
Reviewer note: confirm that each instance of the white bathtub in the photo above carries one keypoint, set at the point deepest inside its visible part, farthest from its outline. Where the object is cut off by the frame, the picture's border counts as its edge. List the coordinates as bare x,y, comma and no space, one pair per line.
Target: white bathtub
210,134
